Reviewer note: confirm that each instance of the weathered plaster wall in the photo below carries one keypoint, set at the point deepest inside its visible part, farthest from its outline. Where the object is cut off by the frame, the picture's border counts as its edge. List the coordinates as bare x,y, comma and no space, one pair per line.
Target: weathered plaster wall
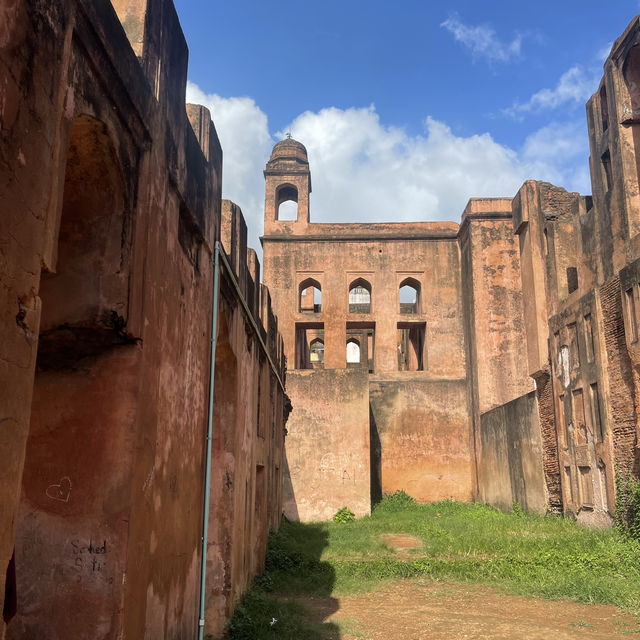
385,256
118,315
327,454
422,427
493,311
511,466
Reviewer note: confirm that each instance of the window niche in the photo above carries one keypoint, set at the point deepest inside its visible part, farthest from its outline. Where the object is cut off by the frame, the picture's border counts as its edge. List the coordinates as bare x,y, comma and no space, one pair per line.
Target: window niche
360,296
309,347
632,320
360,345
411,346
409,295
604,108
607,175
310,296
287,202
572,279
353,352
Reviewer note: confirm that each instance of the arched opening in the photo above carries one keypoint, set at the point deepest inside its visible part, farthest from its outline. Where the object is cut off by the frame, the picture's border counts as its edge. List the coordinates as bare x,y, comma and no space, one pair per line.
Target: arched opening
287,202
309,345
409,295
353,351
76,480
310,296
316,353
360,296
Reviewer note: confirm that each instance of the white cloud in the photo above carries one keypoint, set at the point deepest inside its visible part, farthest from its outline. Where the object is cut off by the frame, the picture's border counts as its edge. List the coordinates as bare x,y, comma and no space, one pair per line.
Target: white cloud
482,40
364,171
246,145
559,153
603,53
574,86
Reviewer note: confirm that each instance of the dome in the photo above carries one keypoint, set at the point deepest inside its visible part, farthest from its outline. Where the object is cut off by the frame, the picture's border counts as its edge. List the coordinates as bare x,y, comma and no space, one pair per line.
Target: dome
289,148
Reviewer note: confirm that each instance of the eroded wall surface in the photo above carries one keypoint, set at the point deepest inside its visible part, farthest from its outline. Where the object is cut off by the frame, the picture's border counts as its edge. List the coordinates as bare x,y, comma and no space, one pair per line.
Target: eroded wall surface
421,429
512,456
327,453
110,191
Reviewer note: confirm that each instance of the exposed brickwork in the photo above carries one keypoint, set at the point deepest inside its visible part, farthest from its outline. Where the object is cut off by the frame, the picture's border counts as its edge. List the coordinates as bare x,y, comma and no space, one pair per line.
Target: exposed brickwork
549,443
622,410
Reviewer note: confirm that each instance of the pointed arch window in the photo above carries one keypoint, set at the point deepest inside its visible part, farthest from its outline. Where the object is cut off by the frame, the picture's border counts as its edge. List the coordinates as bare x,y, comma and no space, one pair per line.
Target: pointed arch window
316,353
353,351
310,296
360,296
286,202
409,295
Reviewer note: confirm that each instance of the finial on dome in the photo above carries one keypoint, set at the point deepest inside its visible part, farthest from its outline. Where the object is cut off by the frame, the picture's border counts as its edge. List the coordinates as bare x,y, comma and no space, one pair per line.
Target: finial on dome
288,135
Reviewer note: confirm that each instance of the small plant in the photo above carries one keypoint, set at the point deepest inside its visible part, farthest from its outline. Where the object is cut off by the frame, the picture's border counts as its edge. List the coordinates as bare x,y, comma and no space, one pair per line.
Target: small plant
344,515
396,501
516,509
628,506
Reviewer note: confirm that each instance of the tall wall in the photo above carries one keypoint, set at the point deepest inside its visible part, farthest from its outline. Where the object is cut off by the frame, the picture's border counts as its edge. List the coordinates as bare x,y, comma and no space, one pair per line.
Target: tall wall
494,320
512,455
111,209
422,427
328,454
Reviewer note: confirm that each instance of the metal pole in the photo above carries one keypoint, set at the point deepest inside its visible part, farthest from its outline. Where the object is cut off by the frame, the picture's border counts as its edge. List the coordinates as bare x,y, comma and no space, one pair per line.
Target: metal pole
207,481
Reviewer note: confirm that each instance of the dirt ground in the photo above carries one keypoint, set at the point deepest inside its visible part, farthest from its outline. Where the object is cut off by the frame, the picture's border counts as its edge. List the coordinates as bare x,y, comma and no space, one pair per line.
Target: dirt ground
417,609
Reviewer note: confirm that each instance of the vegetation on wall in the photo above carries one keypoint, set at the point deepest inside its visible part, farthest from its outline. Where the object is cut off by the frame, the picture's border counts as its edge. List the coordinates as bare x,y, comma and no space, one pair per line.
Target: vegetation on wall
628,506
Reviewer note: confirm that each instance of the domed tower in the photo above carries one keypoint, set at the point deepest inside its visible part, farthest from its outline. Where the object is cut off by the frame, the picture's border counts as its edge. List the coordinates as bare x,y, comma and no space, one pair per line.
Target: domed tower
287,179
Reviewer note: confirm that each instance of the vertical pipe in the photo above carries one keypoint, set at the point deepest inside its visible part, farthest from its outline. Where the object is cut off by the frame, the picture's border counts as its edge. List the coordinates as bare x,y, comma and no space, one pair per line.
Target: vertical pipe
207,480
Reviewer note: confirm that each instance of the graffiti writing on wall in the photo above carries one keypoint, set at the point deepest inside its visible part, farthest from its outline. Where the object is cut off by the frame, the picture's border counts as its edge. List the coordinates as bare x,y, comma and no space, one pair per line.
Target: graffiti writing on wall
340,467
90,560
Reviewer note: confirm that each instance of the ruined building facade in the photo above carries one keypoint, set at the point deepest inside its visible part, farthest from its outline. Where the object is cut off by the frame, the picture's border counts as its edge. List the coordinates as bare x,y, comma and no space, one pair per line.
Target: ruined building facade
509,372
112,233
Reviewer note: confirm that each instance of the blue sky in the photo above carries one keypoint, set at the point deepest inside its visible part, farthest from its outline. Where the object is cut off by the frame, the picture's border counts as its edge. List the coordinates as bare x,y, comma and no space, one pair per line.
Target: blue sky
407,108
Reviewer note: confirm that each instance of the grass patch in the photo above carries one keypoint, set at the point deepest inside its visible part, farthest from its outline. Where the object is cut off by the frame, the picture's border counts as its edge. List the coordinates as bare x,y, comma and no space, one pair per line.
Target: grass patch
521,554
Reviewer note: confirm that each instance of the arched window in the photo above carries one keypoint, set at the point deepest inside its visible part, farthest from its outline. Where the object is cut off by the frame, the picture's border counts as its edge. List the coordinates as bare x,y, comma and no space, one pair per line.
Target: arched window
287,202
360,296
316,353
353,351
310,296
409,296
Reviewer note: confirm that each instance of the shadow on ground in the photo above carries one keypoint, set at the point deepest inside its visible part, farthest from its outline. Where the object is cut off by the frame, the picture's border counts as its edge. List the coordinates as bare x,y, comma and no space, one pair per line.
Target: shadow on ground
293,572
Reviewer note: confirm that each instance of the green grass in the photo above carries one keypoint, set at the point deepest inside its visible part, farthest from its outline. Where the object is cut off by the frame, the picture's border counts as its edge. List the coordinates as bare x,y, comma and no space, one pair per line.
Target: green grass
521,554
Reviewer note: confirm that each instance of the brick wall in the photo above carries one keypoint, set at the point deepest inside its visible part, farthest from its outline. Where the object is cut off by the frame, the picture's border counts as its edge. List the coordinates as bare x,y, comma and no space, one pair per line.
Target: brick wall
622,411
550,462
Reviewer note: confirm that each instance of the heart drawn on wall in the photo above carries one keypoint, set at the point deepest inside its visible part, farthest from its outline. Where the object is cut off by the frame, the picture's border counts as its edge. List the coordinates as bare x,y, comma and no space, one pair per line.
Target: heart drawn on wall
60,492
